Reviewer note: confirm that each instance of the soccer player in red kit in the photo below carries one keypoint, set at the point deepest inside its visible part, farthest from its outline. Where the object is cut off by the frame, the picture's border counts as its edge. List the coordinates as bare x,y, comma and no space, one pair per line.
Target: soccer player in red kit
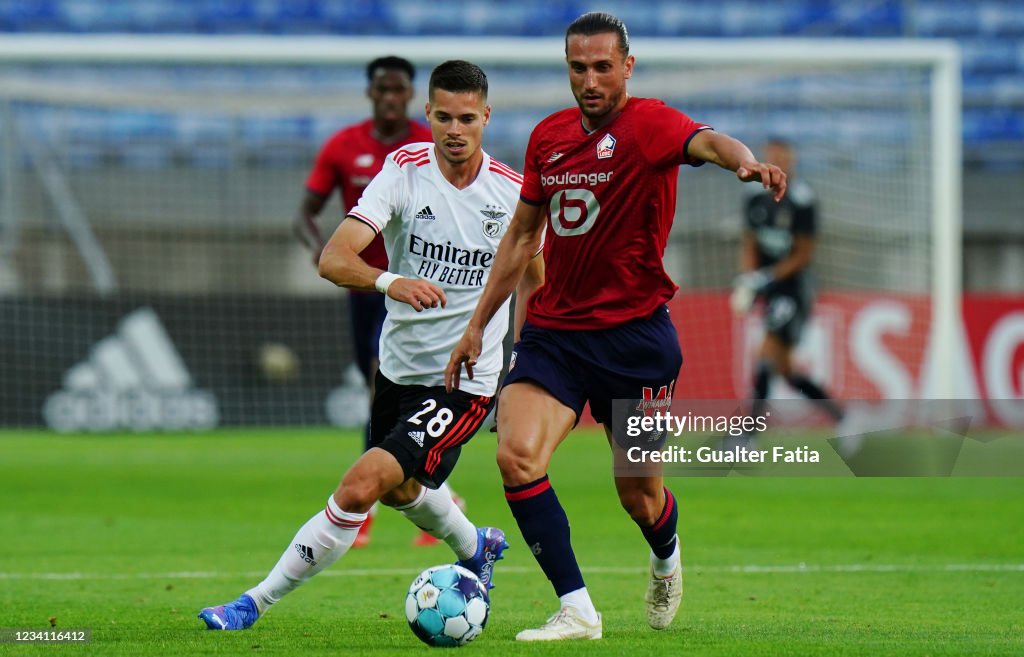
348,161
602,178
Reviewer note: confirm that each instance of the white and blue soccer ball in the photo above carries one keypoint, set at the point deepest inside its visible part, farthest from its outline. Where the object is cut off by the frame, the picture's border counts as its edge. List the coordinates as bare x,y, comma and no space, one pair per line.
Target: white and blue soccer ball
447,606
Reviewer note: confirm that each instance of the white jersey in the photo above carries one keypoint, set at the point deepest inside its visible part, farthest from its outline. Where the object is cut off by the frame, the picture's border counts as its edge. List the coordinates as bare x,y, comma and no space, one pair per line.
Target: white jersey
448,236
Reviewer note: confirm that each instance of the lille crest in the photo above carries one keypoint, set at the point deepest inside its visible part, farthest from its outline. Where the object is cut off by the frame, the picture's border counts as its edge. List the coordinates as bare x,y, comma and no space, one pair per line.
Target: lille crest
606,147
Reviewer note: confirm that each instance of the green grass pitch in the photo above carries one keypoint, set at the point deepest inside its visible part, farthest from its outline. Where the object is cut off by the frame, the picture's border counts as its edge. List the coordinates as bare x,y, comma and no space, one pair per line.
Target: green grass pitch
130,535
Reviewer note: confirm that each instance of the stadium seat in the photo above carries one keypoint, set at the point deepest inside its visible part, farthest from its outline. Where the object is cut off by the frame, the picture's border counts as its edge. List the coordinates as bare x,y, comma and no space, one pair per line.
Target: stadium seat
143,140
226,16
204,140
944,19
987,55
357,17
992,125
40,16
277,140
294,17
86,140
1001,18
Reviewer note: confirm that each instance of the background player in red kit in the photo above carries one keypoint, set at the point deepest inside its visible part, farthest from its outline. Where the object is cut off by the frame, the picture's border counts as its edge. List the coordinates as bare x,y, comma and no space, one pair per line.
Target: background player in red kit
348,161
602,177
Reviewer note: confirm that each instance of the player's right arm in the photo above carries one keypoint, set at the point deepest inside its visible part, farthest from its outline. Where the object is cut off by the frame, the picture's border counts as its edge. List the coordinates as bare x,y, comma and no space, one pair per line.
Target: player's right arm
733,155
515,251
304,225
320,183
342,265
383,201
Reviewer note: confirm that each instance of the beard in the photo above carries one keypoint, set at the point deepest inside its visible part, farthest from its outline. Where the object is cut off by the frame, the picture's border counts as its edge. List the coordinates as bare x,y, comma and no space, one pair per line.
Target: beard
605,108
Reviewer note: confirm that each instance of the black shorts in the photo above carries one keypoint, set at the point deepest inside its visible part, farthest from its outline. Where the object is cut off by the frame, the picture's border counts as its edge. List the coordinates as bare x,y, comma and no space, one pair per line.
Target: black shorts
786,315
424,427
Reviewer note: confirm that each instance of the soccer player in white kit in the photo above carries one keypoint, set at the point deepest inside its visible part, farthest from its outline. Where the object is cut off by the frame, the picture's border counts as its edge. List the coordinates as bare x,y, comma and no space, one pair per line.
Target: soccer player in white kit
442,208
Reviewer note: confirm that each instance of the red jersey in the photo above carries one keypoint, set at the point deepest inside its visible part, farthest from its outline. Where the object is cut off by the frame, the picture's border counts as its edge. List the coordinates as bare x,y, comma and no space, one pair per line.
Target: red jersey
610,197
349,160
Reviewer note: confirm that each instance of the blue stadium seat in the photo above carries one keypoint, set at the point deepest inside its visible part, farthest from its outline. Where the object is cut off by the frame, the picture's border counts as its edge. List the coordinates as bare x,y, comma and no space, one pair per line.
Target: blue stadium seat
137,16
1001,17
479,17
357,17
142,140
161,16
38,16
1008,92
878,19
988,55
278,140
86,141
294,17
226,16
752,18
992,125
977,89
697,19
205,141
944,19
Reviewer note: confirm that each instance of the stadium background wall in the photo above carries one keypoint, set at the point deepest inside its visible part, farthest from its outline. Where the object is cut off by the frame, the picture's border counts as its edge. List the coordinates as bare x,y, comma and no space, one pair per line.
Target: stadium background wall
858,344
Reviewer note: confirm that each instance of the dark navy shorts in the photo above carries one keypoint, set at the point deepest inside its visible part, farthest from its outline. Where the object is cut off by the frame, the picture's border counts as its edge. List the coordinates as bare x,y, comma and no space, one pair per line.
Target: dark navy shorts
637,360
367,312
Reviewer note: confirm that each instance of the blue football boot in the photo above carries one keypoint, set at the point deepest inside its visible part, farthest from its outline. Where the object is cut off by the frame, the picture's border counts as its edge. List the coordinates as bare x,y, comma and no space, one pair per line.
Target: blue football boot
490,543
237,615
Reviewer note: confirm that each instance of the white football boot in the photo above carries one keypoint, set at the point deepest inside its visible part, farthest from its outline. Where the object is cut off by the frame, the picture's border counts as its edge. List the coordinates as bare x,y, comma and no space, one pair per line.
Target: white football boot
566,624
663,597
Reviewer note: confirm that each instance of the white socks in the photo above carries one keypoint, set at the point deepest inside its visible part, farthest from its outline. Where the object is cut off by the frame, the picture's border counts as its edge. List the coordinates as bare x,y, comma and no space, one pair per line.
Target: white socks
436,513
665,567
330,533
320,542
580,599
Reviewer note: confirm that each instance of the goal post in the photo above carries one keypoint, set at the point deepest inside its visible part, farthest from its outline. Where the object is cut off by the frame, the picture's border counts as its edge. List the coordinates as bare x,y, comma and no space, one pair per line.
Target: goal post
162,171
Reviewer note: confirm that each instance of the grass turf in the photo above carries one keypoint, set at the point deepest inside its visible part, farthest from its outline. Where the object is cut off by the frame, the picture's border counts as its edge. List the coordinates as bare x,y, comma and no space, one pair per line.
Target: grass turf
130,535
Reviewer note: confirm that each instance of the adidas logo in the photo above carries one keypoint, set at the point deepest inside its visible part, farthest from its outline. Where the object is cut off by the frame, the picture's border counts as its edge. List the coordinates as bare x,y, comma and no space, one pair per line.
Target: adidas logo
425,214
134,379
417,437
554,156
305,552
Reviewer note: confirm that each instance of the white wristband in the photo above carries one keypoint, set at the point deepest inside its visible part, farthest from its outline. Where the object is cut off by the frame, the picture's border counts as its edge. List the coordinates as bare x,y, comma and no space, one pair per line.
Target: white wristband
385,280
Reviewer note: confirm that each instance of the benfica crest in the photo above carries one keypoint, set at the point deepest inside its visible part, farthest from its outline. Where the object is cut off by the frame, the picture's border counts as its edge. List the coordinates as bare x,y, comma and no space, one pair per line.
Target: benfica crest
492,225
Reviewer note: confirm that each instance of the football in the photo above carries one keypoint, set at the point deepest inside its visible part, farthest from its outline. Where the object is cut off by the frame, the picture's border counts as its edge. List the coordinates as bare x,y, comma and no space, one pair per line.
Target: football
447,606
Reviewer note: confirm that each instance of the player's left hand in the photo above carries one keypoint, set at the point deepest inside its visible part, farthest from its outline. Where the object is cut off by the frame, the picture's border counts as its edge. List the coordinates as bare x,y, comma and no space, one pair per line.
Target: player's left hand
747,287
741,300
417,293
466,352
770,176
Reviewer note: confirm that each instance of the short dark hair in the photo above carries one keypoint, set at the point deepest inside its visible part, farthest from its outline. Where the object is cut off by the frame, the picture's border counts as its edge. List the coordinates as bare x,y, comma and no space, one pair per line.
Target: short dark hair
457,75
599,22
390,63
